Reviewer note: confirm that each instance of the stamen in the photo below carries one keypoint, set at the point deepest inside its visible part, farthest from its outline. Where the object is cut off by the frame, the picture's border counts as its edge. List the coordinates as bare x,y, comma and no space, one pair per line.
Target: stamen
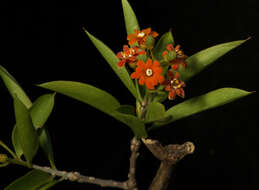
141,34
149,72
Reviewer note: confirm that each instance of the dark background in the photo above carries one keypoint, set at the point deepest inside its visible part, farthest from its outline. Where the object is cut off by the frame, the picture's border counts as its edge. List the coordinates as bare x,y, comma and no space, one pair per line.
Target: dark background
43,41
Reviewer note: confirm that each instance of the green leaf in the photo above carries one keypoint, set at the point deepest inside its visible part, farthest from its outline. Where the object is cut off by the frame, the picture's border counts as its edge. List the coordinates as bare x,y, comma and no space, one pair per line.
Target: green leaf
155,111
137,125
127,109
85,93
27,135
160,96
160,47
199,61
16,90
112,59
207,101
49,185
46,145
13,87
130,18
41,109
31,181
16,143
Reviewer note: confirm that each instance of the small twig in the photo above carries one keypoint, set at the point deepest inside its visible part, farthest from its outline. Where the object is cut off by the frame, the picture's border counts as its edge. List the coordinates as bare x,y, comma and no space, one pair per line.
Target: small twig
134,147
8,149
169,156
129,184
77,177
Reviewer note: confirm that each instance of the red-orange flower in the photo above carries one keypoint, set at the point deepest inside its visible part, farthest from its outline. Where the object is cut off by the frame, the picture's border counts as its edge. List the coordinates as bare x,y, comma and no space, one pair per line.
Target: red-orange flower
174,86
180,56
148,73
129,55
140,36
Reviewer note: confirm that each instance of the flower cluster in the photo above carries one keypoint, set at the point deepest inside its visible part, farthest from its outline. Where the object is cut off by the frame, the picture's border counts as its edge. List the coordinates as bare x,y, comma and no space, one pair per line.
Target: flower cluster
147,69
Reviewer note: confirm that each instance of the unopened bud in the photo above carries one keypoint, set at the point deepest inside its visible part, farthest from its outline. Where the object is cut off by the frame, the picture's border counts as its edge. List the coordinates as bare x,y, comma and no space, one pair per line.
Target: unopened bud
150,40
171,55
142,57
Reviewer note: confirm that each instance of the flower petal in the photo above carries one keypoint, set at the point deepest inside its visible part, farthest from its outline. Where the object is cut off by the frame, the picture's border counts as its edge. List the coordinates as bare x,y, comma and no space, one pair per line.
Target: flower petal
171,95
146,31
154,34
142,80
121,63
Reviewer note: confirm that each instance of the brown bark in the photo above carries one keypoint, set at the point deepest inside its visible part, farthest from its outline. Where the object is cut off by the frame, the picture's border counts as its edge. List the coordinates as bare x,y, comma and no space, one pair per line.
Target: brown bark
169,156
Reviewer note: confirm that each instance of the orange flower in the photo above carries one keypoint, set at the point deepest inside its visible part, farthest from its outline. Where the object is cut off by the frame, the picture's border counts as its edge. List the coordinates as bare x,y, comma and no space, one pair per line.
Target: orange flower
174,86
148,73
129,55
179,59
140,36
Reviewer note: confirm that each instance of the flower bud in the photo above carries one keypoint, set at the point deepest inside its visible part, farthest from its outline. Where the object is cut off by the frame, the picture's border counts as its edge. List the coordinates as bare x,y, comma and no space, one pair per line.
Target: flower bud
142,57
171,55
150,40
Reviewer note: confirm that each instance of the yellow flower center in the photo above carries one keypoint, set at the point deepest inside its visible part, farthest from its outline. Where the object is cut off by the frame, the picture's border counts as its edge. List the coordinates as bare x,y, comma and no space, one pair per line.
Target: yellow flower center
141,34
149,72
175,83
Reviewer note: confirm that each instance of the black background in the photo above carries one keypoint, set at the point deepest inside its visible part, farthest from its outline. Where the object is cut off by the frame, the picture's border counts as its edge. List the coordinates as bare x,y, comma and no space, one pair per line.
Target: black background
43,41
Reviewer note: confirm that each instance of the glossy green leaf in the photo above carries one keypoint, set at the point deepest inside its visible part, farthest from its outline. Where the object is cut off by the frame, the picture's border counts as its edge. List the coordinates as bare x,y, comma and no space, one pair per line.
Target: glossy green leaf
160,47
207,101
127,109
130,18
16,143
199,61
41,109
31,181
46,145
112,59
27,135
85,93
13,87
137,125
155,111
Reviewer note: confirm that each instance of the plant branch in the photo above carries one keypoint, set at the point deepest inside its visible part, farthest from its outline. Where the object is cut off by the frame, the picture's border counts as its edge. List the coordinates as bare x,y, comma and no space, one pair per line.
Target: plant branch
129,184
77,177
169,156
8,149
134,147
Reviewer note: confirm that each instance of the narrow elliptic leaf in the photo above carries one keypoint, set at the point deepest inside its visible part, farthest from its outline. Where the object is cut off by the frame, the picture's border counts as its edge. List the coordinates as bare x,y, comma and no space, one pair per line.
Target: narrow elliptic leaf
137,125
198,104
112,59
160,47
199,61
13,87
127,109
16,90
130,18
41,109
49,185
16,143
85,93
31,181
27,135
155,111
46,145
